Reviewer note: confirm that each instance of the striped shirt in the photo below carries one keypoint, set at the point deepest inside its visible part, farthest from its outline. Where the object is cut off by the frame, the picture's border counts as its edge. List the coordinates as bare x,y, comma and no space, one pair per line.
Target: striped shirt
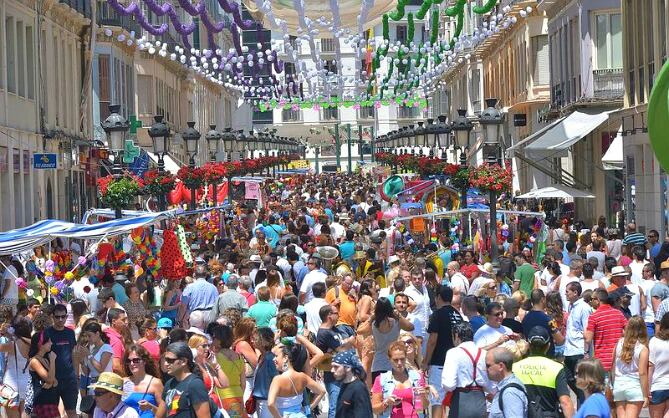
635,238
607,324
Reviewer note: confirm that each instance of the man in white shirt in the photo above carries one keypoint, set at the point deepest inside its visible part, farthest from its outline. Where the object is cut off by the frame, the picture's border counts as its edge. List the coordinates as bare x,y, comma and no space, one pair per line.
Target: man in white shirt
575,271
313,276
459,282
649,281
493,334
459,373
579,312
313,307
421,314
337,230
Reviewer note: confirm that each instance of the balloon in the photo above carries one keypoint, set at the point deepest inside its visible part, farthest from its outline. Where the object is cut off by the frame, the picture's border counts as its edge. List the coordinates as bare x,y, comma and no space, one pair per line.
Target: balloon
50,266
658,117
81,260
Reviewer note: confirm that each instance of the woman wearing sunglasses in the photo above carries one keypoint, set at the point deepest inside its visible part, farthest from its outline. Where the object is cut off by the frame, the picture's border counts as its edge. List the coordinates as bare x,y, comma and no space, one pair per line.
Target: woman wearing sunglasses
147,389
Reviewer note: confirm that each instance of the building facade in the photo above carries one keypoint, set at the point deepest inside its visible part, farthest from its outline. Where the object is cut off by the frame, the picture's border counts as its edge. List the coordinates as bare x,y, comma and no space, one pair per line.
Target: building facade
644,53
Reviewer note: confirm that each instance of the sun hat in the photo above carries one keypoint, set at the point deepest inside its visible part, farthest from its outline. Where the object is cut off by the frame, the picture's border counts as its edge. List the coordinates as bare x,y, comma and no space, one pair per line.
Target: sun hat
110,382
393,259
486,268
619,271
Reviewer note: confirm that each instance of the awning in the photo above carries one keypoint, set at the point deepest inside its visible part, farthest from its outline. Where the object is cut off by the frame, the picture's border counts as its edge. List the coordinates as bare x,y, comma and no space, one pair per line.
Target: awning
532,137
613,158
556,140
170,164
555,191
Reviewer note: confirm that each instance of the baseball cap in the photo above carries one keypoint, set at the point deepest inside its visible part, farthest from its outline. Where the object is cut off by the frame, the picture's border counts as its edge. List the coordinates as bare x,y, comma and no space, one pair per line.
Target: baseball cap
539,334
165,323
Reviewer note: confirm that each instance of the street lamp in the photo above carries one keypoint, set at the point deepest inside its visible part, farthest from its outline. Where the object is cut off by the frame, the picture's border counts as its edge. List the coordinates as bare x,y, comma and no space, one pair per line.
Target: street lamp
116,127
462,128
491,124
160,135
228,143
442,131
419,136
192,138
213,138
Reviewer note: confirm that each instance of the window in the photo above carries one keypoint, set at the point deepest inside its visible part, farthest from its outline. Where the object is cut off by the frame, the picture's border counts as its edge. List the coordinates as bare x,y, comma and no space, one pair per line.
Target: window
330,113
330,66
608,40
21,59
540,58
10,28
401,33
366,112
30,62
290,115
103,85
145,94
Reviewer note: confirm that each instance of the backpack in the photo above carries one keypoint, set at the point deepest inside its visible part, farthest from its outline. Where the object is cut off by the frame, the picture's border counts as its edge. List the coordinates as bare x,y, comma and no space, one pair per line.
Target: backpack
533,408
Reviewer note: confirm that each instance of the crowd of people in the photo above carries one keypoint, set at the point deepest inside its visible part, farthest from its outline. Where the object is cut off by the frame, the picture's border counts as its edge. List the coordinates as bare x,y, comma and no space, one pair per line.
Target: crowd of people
317,304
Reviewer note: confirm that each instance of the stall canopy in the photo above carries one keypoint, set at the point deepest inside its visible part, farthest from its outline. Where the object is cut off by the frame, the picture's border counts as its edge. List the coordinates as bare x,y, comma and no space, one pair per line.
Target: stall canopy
556,191
23,239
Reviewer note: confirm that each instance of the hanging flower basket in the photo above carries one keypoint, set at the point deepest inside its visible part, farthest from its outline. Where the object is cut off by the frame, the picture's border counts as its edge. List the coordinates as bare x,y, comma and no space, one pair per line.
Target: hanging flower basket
214,172
119,193
451,169
460,180
192,178
430,166
491,177
157,183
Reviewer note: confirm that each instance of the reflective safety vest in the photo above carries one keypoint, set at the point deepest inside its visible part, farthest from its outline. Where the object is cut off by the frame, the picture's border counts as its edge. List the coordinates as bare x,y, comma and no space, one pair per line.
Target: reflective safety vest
537,371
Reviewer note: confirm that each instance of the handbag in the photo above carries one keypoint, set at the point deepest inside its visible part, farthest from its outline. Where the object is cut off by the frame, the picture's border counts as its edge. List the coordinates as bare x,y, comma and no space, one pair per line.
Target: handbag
87,404
251,405
9,395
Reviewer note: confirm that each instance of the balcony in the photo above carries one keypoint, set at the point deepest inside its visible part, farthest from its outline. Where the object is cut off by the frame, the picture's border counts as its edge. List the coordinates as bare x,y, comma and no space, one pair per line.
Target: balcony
331,113
107,16
81,6
608,84
366,112
290,115
405,112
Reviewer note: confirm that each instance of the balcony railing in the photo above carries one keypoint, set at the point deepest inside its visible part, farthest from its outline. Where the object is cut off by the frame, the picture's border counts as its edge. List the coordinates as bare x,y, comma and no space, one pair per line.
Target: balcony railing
290,115
81,6
327,45
366,112
408,112
330,113
107,16
609,84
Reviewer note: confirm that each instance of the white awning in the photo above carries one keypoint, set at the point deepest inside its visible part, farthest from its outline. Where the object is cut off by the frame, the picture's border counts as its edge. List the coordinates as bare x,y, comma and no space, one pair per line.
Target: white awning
556,141
170,165
613,158
532,137
555,191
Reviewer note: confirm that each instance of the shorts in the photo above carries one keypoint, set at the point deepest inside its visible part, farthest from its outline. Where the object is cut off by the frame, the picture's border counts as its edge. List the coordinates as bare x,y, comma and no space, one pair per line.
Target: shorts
627,389
434,380
46,411
66,394
659,396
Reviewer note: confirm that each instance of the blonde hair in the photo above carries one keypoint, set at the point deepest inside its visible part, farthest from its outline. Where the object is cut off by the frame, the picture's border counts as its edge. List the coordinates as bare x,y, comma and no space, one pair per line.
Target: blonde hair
635,332
418,358
591,372
197,340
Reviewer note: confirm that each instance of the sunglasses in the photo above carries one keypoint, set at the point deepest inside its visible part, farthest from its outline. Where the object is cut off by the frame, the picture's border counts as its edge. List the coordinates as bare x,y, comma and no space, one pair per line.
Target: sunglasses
498,314
170,360
408,342
136,360
99,393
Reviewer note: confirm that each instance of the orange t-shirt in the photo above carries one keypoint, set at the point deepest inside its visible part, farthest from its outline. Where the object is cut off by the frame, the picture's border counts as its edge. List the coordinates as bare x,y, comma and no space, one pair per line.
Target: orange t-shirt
347,309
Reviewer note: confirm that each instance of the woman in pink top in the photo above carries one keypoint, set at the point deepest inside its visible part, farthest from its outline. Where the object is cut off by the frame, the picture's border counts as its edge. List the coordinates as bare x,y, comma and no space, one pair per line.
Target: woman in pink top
148,329
400,392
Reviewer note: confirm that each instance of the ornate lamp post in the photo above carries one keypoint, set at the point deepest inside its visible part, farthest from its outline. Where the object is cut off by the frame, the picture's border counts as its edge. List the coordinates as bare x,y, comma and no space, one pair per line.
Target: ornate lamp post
491,124
441,135
116,127
160,135
462,128
192,138
228,143
213,138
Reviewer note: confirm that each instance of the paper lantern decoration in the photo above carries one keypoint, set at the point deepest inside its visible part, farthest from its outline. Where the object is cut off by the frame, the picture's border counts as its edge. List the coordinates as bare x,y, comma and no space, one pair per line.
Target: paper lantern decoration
172,264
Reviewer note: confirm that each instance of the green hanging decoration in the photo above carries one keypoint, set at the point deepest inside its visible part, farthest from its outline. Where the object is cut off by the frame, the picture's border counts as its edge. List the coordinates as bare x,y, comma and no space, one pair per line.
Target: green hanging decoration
435,27
424,8
485,8
398,14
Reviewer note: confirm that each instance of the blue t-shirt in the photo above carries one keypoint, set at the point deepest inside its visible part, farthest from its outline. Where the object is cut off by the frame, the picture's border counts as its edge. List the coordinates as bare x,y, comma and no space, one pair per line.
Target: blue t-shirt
539,318
476,322
595,406
445,256
347,250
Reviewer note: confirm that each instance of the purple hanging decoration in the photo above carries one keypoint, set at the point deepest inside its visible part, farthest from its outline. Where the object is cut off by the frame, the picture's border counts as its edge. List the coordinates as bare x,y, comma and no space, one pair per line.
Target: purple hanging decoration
168,9
235,38
233,9
135,10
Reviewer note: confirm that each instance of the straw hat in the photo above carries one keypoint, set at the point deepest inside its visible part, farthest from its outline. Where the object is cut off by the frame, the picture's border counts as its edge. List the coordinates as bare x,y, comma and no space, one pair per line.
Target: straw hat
110,382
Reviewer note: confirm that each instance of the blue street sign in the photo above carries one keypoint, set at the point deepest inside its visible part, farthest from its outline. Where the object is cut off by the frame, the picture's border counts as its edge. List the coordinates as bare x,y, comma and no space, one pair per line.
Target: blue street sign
45,161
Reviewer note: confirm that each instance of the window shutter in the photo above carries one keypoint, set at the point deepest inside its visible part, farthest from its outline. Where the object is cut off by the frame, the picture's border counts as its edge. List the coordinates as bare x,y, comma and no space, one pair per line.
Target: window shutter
541,61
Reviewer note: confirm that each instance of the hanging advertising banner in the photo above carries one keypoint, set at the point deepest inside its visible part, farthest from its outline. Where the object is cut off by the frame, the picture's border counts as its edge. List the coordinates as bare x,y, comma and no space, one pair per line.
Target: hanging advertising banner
252,191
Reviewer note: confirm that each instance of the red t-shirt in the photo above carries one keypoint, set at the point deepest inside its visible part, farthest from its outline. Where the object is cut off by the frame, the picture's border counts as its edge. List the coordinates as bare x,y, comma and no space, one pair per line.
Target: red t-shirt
116,342
607,324
153,347
469,270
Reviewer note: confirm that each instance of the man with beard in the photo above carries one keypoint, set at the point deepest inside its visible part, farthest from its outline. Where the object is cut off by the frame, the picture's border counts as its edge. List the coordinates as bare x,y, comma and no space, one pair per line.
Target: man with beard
353,400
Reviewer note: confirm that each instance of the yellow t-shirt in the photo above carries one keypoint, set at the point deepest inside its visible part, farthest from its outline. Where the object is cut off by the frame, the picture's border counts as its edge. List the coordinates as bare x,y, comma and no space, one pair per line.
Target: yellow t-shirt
234,370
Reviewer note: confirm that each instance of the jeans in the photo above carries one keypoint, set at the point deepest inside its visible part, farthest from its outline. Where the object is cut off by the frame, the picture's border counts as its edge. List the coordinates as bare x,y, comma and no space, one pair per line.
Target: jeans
332,387
570,363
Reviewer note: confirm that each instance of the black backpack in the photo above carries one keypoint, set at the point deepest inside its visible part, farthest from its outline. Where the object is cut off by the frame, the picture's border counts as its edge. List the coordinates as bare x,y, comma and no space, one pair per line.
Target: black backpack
533,408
